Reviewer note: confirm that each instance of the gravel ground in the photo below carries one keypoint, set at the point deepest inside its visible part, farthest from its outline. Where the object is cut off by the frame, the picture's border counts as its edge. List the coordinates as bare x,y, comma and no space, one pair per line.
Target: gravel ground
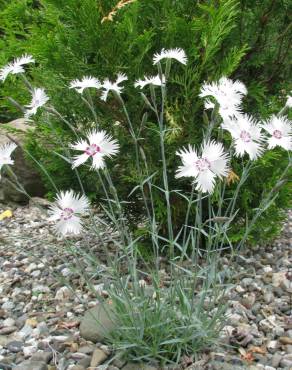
40,317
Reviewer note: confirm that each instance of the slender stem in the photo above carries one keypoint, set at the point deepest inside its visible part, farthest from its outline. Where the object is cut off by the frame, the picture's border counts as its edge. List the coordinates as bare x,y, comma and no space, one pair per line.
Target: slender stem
17,105
119,206
210,216
26,82
160,118
231,206
283,110
131,128
138,148
265,203
67,152
221,199
62,118
19,187
188,213
89,102
244,176
133,261
43,169
112,212
198,222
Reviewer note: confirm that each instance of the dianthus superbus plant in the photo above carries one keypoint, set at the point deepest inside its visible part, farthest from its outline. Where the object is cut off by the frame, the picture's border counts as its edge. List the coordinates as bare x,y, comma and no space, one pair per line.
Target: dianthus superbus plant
163,310
248,40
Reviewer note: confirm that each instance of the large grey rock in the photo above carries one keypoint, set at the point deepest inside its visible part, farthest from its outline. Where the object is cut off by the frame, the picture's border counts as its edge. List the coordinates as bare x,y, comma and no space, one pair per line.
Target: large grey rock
218,365
28,177
140,366
31,365
42,356
97,323
4,366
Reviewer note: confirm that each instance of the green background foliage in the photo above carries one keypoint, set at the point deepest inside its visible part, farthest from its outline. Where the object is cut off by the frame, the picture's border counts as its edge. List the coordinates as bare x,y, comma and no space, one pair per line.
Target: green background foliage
246,40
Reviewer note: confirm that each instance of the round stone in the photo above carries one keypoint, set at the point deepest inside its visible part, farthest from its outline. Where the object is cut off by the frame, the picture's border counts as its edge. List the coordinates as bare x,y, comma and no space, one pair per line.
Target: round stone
14,346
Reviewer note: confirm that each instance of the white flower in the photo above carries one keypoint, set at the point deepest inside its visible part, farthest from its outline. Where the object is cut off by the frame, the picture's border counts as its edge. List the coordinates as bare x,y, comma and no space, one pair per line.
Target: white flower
280,129
205,167
150,80
107,86
5,153
142,283
227,93
97,146
86,82
66,211
177,53
16,66
246,134
39,98
289,101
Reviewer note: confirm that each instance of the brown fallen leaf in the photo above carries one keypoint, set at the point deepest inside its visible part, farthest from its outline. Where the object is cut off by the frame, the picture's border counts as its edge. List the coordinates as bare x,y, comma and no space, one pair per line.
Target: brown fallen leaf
68,324
74,347
32,322
247,356
255,349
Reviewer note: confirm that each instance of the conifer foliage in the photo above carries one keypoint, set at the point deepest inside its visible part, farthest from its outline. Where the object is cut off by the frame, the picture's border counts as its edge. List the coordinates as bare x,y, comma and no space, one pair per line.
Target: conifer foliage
244,39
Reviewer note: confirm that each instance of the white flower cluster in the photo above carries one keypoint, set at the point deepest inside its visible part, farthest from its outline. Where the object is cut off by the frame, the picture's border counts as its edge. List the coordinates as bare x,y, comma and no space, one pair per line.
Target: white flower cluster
39,97
245,130
204,165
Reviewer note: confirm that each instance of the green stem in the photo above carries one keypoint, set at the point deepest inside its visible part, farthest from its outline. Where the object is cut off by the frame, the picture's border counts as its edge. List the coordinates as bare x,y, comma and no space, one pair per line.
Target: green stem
198,224
151,218
188,213
89,103
59,115
112,211
265,204
26,82
160,118
68,154
118,205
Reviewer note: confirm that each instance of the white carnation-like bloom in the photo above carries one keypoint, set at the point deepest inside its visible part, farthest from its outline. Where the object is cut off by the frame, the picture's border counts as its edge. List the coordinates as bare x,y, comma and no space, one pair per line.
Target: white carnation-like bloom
66,211
39,99
97,146
85,83
177,54
16,66
212,163
289,101
5,154
150,80
108,86
247,136
227,93
280,129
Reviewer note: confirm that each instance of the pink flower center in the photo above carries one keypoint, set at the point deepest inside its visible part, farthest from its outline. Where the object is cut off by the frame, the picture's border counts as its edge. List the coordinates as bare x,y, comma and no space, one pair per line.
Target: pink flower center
67,214
277,134
92,149
203,164
245,136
